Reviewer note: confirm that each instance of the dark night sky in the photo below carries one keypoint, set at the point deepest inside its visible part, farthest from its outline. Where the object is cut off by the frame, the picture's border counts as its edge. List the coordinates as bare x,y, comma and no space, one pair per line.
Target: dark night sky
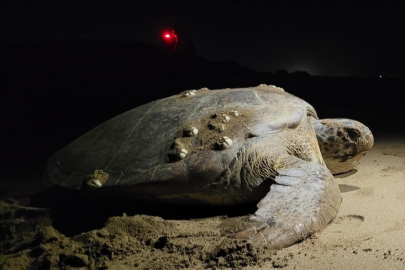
331,38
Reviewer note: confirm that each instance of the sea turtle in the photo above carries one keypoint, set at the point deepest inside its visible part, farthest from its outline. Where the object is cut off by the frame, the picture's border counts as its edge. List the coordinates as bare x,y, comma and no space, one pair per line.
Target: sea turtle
228,146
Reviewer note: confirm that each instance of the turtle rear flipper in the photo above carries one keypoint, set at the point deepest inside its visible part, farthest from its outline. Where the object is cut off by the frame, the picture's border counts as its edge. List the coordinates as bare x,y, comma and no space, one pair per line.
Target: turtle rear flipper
304,199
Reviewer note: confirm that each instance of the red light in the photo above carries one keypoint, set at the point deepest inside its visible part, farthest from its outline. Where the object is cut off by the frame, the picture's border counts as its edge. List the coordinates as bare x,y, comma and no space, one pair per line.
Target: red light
167,36
170,38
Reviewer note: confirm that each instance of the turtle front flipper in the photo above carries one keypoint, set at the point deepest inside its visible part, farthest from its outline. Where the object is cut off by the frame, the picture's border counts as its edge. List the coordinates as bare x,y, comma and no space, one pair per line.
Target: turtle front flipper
303,200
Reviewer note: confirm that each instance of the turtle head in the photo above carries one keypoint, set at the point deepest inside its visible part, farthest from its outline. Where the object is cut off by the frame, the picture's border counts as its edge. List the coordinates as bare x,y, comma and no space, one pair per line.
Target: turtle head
343,142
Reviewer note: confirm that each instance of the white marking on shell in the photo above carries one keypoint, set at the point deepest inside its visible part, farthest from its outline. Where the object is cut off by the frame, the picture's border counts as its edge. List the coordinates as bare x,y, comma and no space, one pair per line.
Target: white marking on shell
191,132
224,142
235,113
221,128
226,118
183,153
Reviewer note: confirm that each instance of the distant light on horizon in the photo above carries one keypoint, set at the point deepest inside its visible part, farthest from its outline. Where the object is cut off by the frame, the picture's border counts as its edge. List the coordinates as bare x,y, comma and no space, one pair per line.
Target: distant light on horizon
311,69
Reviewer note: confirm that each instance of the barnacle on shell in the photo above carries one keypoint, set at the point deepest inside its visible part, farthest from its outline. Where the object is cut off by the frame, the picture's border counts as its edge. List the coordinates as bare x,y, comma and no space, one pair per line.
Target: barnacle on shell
235,113
224,143
188,93
183,153
190,132
225,118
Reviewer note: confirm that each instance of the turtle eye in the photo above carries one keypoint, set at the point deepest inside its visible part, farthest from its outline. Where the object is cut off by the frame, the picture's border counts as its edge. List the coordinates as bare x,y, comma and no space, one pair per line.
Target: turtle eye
353,133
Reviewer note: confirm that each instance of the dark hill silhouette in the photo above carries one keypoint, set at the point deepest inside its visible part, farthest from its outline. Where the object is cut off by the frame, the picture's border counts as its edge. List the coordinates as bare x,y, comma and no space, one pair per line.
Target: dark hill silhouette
92,70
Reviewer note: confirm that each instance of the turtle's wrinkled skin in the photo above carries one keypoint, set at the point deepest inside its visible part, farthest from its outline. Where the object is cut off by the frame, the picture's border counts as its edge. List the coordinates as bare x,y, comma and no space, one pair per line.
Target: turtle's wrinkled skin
228,146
